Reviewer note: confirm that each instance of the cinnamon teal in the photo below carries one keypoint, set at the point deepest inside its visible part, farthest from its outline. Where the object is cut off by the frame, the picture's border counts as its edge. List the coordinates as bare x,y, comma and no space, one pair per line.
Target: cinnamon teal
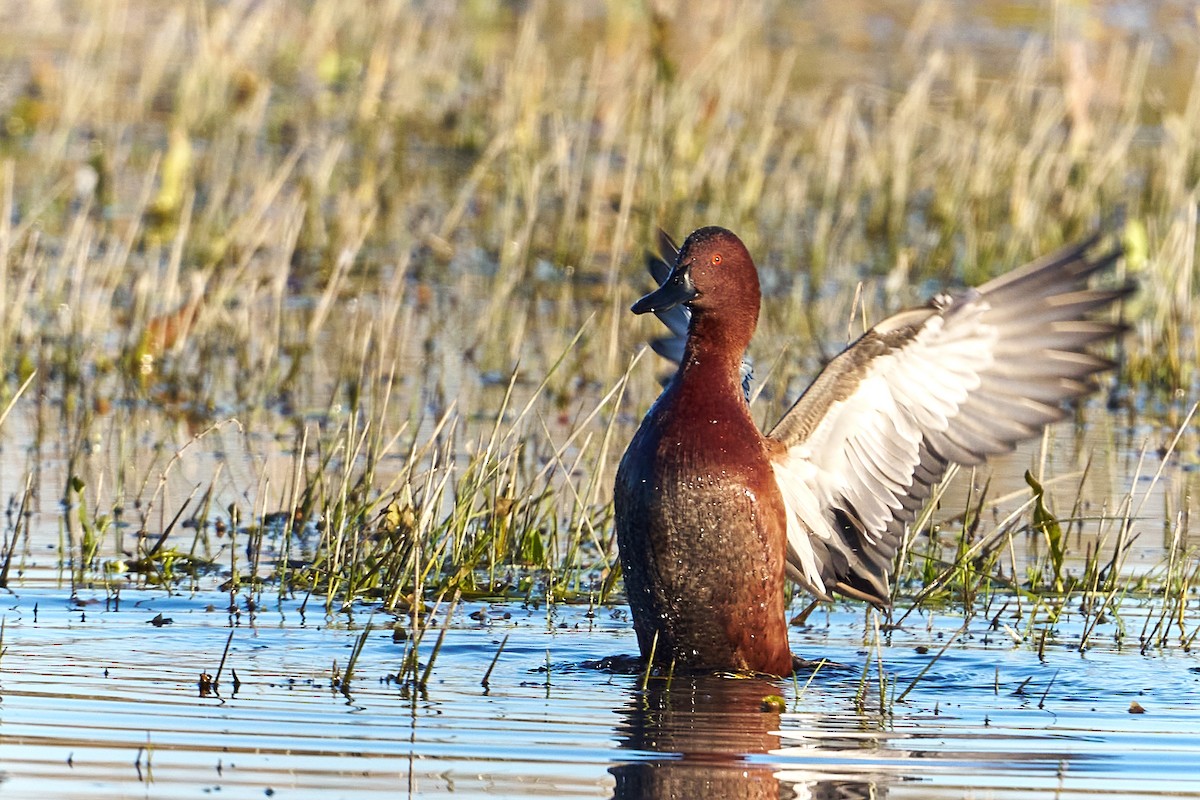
712,516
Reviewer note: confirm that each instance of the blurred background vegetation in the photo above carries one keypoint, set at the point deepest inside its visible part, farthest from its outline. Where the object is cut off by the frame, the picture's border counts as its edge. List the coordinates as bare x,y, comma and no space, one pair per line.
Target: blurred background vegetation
367,266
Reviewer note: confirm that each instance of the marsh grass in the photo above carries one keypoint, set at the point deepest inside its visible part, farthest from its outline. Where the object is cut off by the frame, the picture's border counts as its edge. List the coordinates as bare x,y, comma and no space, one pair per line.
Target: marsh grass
971,576
335,302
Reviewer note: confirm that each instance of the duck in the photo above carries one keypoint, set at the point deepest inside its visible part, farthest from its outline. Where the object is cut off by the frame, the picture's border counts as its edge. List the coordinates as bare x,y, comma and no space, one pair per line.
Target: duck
714,516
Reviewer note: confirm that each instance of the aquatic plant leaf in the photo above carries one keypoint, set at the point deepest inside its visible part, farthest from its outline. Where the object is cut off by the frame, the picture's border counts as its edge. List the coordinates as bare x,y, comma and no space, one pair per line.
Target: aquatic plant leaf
1047,523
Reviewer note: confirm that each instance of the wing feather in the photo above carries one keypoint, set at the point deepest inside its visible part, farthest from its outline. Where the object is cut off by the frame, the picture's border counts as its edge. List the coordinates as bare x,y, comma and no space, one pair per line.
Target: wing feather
967,377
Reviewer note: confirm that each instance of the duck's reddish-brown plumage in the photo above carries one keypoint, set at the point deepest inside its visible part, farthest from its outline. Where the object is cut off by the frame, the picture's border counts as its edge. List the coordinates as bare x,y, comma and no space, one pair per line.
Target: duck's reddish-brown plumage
711,515
700,520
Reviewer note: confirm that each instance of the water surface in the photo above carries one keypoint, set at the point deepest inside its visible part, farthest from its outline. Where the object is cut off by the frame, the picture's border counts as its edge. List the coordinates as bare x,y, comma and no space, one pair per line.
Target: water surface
100,702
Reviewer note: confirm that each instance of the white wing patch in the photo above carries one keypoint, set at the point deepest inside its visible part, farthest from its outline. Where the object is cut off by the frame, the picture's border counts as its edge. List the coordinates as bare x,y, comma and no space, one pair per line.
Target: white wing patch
861,457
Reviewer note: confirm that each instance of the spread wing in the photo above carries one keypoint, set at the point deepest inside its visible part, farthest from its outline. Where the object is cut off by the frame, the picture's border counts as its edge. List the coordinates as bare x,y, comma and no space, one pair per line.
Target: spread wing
964,378
677,318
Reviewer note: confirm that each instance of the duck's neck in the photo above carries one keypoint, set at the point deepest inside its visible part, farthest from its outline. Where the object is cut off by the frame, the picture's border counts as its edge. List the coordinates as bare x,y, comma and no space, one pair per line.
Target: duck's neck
714,351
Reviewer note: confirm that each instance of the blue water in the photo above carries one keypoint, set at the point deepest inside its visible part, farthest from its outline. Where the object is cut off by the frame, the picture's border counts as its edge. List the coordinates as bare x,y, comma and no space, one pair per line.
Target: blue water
98,702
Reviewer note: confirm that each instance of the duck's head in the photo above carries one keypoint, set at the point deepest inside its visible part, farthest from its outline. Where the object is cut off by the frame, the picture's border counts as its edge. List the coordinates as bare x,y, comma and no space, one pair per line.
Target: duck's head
714,276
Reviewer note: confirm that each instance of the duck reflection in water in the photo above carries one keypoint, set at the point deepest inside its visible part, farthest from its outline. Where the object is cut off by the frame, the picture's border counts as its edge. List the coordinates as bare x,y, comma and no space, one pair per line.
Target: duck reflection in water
708,736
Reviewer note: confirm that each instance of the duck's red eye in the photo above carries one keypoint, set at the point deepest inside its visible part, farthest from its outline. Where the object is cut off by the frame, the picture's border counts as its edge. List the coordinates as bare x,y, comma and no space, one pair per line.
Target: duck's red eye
716,259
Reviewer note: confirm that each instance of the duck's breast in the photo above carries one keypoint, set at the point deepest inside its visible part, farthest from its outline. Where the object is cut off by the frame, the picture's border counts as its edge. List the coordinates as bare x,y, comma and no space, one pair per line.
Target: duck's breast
702,532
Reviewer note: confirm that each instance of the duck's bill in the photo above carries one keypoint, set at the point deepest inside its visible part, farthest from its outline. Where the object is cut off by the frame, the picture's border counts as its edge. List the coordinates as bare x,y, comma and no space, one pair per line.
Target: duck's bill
676,289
